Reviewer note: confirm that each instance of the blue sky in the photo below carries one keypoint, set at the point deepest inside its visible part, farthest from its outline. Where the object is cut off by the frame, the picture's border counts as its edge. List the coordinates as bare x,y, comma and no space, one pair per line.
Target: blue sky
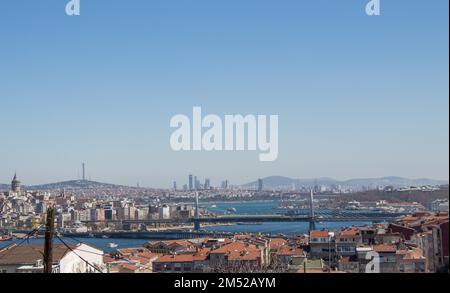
357,96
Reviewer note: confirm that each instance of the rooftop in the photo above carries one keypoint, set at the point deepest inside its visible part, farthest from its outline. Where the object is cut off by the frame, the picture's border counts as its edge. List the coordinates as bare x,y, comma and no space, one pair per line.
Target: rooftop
319,234
29,254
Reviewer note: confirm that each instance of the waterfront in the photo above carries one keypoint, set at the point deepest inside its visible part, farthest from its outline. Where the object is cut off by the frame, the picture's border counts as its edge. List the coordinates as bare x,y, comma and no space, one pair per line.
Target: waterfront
99,243
243,208
267,208
257,207
285,228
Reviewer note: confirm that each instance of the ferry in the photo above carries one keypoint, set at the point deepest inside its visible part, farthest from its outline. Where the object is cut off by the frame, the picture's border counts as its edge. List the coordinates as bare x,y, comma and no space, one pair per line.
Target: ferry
5,238
112,245
231,211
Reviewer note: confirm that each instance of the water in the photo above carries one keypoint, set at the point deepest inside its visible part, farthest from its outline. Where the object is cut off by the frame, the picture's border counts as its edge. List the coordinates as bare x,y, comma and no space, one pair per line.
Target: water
286,228
98,243
243,208
267,208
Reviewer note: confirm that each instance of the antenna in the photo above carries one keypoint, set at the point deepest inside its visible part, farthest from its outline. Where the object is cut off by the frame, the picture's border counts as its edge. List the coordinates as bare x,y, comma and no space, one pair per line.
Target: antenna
84,171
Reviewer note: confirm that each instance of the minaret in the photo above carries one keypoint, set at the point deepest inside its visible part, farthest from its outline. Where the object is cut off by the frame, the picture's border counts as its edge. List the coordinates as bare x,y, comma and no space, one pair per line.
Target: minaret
15,184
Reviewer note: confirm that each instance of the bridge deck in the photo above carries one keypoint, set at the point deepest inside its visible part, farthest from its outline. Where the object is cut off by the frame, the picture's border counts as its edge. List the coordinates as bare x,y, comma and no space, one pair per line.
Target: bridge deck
263,218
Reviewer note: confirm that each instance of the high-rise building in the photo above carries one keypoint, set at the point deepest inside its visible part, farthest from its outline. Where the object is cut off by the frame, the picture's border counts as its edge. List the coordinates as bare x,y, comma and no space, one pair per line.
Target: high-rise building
191,182
260,184
15,184
207,184
175,185
197,184
225,184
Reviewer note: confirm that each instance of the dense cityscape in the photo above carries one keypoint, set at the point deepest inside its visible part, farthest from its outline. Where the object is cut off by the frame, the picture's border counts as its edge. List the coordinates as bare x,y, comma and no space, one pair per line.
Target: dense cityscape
182,230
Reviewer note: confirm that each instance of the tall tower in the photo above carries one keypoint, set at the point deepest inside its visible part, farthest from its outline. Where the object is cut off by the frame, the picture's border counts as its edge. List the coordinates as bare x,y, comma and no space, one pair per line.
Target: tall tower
84,171
196,183
191,184
15,184
260,185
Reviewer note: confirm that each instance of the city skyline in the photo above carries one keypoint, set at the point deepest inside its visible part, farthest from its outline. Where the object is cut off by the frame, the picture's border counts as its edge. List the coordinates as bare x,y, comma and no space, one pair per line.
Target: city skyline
357,96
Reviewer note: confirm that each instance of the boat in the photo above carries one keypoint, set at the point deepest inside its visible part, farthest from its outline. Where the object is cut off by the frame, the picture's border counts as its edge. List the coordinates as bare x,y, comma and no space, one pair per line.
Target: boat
231,210
112,245
105,236
213,206
5,238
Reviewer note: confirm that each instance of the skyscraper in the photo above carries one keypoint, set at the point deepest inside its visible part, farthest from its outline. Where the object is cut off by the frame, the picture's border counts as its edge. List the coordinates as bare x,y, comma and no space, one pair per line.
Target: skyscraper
197,184
175,185
191,182
260,184
225,184
207,184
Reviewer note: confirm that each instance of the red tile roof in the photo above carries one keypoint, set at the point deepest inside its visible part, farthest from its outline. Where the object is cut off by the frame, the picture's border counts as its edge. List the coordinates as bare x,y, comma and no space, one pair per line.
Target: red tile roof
385,248
289,251
318,234
276,243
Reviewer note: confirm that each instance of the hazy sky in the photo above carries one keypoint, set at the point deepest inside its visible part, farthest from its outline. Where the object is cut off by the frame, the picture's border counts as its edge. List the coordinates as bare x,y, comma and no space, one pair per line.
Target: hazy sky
357,96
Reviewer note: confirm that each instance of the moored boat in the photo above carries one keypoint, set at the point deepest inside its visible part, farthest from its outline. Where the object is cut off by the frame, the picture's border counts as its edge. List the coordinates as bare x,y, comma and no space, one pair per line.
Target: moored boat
5,238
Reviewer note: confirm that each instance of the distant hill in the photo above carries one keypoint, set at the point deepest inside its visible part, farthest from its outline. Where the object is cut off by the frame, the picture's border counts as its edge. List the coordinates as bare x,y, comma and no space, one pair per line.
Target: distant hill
75,184
72,184
274,182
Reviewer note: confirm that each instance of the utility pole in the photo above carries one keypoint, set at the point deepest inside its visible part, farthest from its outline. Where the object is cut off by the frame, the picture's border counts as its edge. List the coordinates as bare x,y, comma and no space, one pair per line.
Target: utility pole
48,248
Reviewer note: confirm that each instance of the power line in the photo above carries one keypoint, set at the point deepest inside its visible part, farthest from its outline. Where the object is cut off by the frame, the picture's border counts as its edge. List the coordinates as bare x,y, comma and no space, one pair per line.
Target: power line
20,243
124,259
70,248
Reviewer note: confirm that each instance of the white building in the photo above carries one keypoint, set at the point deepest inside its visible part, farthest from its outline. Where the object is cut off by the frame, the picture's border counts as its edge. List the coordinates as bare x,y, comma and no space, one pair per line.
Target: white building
29,259
164,212
439,205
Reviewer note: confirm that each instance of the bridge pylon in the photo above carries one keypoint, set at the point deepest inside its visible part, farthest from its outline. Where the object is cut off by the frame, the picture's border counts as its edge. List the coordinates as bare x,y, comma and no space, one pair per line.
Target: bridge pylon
312,225
196,225
197,214
312,215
